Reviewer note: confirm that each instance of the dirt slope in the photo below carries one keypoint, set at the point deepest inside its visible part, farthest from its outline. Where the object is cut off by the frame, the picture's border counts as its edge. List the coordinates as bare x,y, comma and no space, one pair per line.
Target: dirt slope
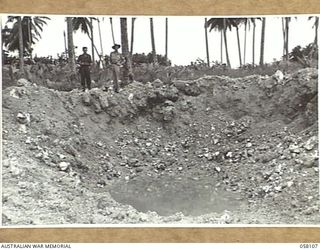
212,150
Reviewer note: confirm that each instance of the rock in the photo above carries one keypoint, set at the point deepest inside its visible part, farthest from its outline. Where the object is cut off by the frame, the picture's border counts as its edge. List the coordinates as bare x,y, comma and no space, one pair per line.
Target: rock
6,163
139,169
294,148
23,82
308,161
28,141
104,103
215,141
39,155
249,145
157,83
71,150
218,169
278,76
101,183
23,118
86,98
17,92
64,166
143,217
309,145
133,162
278,188
229,154
208,156
290,183
311,210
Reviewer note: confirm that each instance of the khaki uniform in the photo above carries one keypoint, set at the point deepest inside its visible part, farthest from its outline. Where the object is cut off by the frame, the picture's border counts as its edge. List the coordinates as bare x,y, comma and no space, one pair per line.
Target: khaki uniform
116,60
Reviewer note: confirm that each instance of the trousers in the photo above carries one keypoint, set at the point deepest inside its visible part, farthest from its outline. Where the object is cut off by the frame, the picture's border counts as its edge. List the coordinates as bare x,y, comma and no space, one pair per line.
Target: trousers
85,77
116,77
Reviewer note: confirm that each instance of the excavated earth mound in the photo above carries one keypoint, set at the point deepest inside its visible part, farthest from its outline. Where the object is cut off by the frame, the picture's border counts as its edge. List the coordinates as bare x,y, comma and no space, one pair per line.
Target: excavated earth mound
212,150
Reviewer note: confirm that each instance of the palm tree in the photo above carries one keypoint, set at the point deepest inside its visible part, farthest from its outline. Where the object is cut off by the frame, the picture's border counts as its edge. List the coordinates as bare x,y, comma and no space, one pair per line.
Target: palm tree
31,32
20,45
217,24
154,54
125,48
221,24
285,31
225,39
92,43
221,47
86,26
71,55
316,26
263,29
253,40
206,37
132,34
100,37
166,42
235,22
246,25
111,24
287,20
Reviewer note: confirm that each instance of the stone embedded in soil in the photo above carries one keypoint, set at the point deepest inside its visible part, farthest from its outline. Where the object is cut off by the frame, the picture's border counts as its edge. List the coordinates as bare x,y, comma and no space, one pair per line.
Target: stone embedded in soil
310,143
308,160
264,181
23,82
64,166
6,163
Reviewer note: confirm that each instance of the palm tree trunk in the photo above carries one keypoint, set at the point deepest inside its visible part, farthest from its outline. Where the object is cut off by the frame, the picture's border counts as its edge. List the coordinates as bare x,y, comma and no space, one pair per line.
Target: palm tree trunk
316,31
132,34
245,43
20,45
207,45
94,46
166,48
100,37
111,24
239,46
287,38
284,37
125,49
263,30
92,43
30,36
221,47
70,44
65,43
154,54
225,42
253,43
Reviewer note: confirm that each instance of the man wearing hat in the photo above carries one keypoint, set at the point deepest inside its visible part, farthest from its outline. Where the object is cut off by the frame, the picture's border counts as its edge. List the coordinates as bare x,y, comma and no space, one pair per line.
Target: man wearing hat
116,60
84,61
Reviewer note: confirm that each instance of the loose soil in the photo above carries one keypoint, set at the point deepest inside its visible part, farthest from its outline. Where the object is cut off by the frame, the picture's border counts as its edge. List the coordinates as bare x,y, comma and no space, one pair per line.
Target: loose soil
215,150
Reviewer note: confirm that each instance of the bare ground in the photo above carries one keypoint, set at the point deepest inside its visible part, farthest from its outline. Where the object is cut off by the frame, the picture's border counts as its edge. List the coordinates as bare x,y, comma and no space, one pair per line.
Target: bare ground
213,150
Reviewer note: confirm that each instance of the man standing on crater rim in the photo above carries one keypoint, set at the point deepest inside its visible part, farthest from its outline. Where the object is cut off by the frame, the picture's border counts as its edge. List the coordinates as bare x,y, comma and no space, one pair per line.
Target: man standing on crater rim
85,61
116,60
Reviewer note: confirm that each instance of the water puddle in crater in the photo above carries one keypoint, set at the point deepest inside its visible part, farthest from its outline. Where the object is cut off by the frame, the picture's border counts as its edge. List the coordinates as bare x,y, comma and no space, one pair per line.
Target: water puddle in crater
167,196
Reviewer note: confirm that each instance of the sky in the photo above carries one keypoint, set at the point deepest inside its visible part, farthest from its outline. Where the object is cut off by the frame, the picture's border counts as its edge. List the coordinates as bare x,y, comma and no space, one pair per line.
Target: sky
186,38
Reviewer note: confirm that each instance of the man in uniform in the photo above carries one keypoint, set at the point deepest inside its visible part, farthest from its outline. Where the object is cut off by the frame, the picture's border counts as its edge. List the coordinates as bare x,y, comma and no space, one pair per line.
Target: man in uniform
116,60
84,61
